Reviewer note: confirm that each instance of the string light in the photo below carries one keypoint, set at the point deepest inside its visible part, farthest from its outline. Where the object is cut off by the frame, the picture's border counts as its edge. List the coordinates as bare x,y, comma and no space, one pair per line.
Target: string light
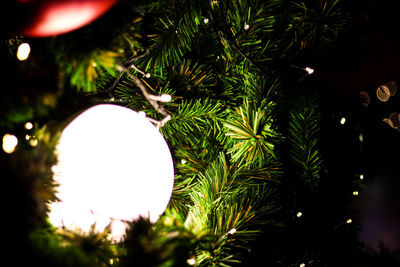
191,261
299,214
183,161
355,193
33,142
343,120
302,265
162,98
246,27
10,142
309,70
361,176
206,20
148,75
232,231
361,137
23,51
28,125
349,221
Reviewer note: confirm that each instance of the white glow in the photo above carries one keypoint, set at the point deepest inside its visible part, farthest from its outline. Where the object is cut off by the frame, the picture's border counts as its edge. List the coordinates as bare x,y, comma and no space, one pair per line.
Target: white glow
355,193
33,142
28,125
23,51
343,120
10,142
246,27
206,20
299,214
191,261
302,265
349,221
309,70
113,166
166,98
232,231
361,176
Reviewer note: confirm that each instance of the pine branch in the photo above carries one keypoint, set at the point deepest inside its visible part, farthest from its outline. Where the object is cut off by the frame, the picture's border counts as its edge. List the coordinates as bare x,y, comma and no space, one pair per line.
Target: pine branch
251,137
304,140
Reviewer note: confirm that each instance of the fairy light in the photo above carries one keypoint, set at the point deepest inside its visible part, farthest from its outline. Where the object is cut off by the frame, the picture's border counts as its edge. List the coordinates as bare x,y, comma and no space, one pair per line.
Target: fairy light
28,125
162,98
148,75
361,137
232,231
349,221
191,261
206,20
299,214
23,51
361,176
183,161
10,142
246,27
302,265
309,70
343,120
355,193
165,98
33,142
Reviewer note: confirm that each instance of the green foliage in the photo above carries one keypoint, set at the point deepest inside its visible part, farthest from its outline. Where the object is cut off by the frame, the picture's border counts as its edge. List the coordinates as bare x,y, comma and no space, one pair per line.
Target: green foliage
250,132
67,248
304,124
315,24
166,243
193,121
221,62
225,209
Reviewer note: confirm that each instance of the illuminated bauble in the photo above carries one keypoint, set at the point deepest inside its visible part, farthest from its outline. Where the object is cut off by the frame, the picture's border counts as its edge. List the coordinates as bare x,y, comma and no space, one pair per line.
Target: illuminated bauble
43,18
113,166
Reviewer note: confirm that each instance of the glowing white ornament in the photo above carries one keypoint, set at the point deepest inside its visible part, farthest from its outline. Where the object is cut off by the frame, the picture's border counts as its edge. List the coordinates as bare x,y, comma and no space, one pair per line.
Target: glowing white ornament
113,166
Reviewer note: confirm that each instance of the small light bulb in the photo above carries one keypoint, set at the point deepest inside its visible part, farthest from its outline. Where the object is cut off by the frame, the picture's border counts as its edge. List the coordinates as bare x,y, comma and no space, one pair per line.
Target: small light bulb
10,142
246,27
309,70
191,261
302,265
23,51
206,20
361,137
33,142
299,214
343,120
349,221
165,98
361,176
28,125
355,193
27,137
148,75
232,231
183,161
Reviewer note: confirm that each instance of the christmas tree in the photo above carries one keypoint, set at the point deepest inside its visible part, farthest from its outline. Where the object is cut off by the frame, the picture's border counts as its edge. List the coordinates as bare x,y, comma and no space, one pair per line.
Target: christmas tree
256,181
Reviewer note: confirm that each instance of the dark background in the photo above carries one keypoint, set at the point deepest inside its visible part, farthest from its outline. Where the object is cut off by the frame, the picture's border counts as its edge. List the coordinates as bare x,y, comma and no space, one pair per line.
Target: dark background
367,56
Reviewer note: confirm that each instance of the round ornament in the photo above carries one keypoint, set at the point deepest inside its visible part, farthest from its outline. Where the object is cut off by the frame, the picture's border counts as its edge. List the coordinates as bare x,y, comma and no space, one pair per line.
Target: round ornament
113,166
43,18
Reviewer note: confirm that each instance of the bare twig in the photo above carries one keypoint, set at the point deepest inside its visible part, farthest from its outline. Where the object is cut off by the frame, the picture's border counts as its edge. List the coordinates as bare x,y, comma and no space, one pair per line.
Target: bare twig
147,96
